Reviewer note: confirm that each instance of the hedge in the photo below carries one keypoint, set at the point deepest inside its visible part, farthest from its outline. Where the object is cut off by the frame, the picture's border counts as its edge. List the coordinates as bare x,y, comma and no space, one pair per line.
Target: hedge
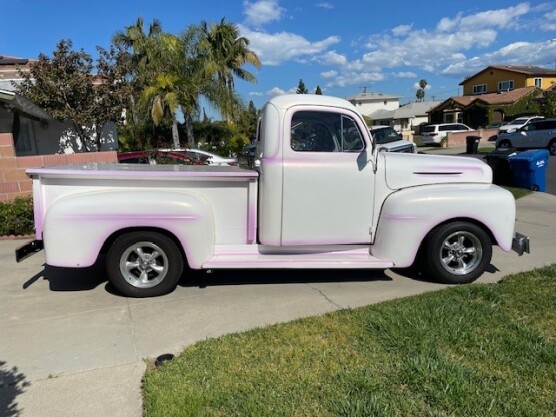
16,217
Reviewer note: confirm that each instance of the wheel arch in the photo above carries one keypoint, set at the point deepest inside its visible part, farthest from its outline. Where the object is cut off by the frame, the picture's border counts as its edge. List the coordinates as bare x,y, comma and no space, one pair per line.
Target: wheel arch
116,234
408,217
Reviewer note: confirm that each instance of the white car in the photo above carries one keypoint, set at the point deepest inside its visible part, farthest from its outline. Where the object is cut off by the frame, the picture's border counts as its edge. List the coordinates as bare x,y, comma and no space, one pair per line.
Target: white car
434,134
388,140
517,123
204,157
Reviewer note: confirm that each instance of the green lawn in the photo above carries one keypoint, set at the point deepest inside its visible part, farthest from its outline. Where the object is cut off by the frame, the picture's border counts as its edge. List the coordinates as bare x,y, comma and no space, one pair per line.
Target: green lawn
476,350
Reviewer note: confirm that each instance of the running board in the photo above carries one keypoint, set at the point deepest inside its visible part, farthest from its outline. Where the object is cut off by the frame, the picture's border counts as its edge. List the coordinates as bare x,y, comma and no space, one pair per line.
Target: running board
345,259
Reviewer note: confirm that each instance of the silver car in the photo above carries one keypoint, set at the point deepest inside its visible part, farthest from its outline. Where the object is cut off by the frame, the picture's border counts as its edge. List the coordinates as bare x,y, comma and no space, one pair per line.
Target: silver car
536,134
387,139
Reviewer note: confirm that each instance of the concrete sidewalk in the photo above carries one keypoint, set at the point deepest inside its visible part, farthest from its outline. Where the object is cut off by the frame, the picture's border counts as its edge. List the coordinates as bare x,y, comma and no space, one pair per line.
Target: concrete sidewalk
70,347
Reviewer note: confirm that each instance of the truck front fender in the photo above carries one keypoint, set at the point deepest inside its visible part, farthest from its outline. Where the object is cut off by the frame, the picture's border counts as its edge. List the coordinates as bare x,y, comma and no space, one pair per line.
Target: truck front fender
407,216
76,227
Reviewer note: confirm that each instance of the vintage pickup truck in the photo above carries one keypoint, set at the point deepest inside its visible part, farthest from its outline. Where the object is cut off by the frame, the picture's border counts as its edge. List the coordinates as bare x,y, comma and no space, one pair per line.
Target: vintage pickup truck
323,197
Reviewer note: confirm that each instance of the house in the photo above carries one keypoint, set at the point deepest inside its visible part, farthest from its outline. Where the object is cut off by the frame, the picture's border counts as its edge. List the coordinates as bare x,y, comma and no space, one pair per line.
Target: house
406,118
486,109
495,78
370,102
9,70
496,94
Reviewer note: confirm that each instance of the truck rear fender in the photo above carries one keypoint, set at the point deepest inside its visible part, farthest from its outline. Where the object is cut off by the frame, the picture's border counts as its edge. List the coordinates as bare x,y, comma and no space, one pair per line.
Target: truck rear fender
407,216
77,227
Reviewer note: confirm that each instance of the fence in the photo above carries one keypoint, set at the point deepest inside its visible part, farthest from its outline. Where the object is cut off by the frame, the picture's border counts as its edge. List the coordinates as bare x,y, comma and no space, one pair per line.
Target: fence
14,182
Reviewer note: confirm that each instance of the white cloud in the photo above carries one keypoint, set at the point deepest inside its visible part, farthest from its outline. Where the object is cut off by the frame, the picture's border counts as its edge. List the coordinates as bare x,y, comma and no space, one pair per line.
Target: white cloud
402,30
275,92
331,58
548,23
276,48
404,74
355,78
263,11
325,6
517,53
328,74
255,94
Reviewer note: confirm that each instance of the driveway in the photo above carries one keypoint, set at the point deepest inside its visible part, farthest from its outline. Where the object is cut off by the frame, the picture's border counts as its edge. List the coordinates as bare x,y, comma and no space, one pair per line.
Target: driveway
70,346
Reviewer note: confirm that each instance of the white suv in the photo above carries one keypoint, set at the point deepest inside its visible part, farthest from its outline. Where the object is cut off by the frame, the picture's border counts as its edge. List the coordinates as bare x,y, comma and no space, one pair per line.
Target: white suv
434,134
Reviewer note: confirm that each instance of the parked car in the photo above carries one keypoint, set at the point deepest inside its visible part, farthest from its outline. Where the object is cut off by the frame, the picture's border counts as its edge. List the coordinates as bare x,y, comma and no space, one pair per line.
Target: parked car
389,140
517,123
204,157
540,133
434,134
156,158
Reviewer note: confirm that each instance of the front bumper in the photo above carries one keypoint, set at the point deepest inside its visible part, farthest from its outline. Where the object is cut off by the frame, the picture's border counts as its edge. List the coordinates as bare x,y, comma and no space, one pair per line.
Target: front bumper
520,244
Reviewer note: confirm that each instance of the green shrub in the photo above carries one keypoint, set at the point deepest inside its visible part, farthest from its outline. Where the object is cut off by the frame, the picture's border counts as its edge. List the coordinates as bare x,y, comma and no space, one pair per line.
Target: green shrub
16,217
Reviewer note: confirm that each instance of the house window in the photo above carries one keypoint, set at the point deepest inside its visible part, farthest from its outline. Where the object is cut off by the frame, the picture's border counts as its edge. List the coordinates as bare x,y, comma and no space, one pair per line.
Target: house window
506,85
538,82
479,89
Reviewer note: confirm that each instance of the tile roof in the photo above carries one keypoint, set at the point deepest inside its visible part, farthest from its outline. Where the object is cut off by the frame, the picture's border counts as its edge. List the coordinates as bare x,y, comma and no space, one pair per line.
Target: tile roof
502,97
12,60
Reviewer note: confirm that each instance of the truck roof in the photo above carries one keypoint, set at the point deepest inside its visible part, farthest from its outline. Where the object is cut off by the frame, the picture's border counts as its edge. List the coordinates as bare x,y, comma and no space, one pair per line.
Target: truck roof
289,100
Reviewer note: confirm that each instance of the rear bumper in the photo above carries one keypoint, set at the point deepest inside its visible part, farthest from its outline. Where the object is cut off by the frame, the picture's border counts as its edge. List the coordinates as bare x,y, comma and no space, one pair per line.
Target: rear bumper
29,249
520,244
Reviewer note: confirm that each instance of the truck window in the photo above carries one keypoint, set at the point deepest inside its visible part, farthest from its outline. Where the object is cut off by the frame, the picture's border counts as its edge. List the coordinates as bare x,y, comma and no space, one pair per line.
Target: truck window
313,131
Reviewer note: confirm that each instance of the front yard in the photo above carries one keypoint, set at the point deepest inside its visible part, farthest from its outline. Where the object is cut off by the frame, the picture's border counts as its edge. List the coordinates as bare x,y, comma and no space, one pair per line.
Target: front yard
477,350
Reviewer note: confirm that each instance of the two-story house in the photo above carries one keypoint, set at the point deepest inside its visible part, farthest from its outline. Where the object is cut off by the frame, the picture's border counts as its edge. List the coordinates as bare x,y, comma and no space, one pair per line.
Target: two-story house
500,78
495,94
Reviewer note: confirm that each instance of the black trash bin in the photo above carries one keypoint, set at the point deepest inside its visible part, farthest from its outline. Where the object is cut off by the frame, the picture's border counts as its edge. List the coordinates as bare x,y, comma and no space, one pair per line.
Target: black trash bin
473,144
498,160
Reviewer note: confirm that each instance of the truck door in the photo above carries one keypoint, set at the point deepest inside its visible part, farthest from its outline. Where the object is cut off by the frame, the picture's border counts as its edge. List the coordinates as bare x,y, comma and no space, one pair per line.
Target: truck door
328,180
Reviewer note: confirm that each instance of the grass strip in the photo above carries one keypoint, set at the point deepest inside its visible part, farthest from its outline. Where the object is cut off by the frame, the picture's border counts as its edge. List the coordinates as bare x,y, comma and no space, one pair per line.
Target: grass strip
477,350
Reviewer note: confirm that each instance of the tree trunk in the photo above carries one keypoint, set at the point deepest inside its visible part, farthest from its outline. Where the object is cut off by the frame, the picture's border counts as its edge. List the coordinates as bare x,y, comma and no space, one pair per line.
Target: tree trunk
175,134
189,130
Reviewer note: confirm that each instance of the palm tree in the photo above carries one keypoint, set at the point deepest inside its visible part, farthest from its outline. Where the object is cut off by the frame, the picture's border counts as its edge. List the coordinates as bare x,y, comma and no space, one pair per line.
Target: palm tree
140,43
226,54
162,98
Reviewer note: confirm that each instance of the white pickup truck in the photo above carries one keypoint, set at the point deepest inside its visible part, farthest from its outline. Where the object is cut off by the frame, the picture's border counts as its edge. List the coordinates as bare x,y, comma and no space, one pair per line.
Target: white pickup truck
323,197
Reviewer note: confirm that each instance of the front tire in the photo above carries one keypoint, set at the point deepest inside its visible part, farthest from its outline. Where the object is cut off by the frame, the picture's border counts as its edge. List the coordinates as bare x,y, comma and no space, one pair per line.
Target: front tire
458,252
144,264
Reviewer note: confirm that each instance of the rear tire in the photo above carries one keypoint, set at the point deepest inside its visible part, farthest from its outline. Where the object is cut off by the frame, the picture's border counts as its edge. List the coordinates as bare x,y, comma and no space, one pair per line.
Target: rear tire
144,264
504,144
552,147
458,252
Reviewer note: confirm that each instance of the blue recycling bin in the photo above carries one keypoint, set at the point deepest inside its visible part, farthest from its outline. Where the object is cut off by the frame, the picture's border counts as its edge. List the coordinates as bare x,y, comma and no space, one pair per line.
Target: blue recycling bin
529,169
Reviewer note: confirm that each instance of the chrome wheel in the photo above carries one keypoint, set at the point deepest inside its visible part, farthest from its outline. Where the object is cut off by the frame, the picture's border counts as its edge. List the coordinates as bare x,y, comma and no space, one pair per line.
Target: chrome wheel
457,252
461,253
144,265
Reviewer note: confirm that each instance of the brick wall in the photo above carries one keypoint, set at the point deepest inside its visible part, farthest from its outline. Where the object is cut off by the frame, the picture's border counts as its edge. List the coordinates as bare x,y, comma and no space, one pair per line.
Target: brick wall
13,180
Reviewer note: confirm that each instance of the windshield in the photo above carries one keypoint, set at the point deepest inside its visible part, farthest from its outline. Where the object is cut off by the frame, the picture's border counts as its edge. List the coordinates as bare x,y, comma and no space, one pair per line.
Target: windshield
427,129
385,135
518,121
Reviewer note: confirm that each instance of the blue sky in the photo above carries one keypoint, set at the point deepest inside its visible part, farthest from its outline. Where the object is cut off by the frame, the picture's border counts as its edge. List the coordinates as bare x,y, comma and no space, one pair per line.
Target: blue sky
342,46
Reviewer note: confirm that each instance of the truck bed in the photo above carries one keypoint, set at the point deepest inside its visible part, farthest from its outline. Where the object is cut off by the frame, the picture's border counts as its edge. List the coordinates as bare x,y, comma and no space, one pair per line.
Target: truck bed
230,191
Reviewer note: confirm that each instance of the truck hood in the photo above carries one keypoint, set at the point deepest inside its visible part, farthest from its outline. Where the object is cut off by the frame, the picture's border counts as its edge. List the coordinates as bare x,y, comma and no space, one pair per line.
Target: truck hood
409,170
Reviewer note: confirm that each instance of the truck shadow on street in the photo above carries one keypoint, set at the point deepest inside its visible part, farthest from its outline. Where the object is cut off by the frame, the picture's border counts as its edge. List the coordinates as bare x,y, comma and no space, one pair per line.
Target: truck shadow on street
202,279
87,279
72,279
